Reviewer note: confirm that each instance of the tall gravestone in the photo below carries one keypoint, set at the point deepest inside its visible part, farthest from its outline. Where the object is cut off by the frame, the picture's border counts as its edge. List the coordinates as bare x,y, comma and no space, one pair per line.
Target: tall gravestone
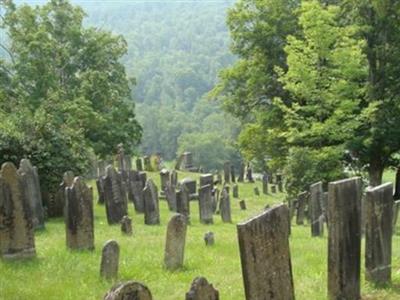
301,207
205,205
56,206
225,207
182,202
344,239
265,255
151,205
115,196
378,233
109,260
130,290
137,193
202,290
79,221
227,172
316,196
33,195
17,239
170,195
241,172
175,242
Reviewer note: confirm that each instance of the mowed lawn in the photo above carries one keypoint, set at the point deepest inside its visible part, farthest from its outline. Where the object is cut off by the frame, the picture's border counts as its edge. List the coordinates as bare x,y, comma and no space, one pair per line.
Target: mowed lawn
58,273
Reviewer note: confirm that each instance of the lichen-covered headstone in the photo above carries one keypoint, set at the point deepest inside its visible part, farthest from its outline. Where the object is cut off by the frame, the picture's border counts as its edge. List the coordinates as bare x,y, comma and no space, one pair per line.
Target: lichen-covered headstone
175,242
17,239
202,290
225,207
205,205
344,239
378,233
126,225
109,260
301,207
265,255
209,238
34,195
129,291
115,196
316,215
151,205
79,221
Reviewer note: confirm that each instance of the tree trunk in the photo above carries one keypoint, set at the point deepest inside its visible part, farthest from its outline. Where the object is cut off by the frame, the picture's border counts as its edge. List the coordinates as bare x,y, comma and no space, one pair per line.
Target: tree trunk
375,172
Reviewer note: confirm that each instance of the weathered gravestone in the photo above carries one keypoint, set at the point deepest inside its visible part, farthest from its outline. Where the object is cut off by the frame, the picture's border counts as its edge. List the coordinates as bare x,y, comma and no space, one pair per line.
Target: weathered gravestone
207,179
233,177
137,193
79,221
344,239
225,207
109,260
175,242
202,290
57,204
317,220
187,161
129,291
126,225
227,172
17,239
33,193
235,191
147,163
265,183
249,173
115,196
242,204
182,202
241,172
215,199
139,164
174,178
265,255
256,191
209,238
190,185
151,208
205,205
143,178
378,233
100,190
301,207
164,179
170,195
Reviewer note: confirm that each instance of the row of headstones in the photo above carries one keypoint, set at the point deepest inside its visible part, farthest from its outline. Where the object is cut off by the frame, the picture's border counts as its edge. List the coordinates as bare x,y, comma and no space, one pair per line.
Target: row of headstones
265,254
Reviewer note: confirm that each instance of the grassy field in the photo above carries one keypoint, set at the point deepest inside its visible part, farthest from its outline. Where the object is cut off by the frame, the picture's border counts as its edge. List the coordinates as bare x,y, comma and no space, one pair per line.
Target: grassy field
58,273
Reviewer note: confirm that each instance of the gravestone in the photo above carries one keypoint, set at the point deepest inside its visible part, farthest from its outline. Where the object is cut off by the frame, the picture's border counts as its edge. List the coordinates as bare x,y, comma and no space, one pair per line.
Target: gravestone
126,225
219,178
17,239
316,195
242,204
273,189
249,173
344,239
225,207
182,202
301,207
396,209
205,205
109,260
33,195
235,191
130,290
115,196
378,233
187,161
265,183
233,177
79,221
209,238
202,290
256,191
279,182
215,199
241,172
137,193
56,205
147,163
292,209
143,178
227,172
175,242
151,208
190,184
207,179
174,178
265,255
139,164
100,190
170,195
164,179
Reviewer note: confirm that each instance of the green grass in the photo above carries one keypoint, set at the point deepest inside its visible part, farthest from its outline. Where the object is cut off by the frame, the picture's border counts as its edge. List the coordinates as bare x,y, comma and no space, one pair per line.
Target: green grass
58,273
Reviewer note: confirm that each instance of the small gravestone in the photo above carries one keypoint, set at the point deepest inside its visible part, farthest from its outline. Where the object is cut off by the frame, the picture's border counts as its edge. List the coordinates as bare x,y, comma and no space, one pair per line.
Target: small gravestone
57,204
205,205
115,196
126,225
316,215
235,191
33,195
233,177
241,172
175,242
301,207
109,260
137,193
209,238
265,183
344,239
265,255
182,202
147,163
139,164
151,209
100,190
17,239
227,172
130,290
79,216
202,290
242,204
256,191
273,189
170,195
378,233
206,179
225,207
279,182
174,178
164,179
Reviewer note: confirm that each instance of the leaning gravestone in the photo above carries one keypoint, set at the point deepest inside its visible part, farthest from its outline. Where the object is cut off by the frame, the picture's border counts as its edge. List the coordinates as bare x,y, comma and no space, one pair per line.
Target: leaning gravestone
301,207
316,195
205,205
175,242
235,191
202,290
170,195
115,196
17,239
265,255
227,172
207,179
378,233
79,216
126,225
344,239
129,291
56,205
33,195
109,260
151,208
225,207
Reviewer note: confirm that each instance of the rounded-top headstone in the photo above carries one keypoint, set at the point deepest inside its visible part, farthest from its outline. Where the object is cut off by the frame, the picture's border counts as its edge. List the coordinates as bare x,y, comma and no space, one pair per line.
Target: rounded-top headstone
110,261
130,290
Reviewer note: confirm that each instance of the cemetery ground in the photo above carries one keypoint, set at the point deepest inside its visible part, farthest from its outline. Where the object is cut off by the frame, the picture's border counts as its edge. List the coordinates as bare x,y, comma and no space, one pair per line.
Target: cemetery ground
59,273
